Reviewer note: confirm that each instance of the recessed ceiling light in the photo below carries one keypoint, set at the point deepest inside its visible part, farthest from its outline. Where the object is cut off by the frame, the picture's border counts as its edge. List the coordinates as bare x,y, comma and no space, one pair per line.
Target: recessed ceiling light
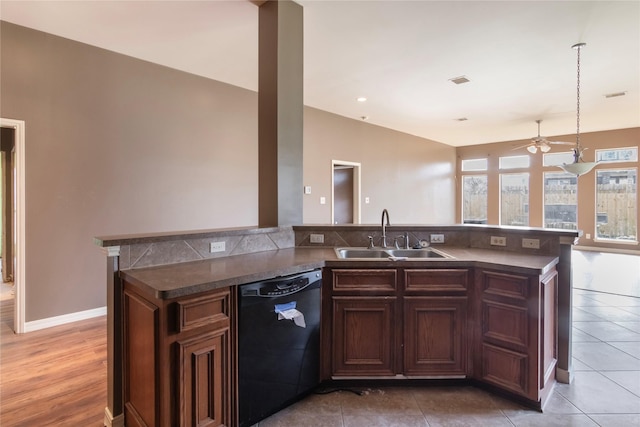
361,99
459,80
613,95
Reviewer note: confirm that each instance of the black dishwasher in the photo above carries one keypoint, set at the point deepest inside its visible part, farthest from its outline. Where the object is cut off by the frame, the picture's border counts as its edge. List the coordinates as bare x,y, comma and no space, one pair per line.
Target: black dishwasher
278,343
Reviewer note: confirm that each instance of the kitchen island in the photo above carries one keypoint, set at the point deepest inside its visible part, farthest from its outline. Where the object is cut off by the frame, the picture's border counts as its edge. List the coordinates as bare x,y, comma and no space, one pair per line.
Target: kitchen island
495,312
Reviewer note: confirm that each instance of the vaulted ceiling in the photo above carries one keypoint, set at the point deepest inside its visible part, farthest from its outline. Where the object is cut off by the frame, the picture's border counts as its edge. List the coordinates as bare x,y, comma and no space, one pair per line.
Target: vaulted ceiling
400,55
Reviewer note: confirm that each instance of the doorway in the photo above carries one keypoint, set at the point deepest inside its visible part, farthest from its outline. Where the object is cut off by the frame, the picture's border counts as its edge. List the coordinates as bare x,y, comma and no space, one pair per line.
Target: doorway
7,157
345,192
12,215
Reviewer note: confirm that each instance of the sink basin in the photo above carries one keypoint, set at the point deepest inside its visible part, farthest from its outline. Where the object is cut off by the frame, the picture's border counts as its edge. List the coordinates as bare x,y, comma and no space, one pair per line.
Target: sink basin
416,253
380,253
361,253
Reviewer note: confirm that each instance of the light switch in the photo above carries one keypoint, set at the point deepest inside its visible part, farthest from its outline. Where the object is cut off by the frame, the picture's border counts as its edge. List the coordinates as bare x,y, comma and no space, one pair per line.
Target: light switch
323,200
307,189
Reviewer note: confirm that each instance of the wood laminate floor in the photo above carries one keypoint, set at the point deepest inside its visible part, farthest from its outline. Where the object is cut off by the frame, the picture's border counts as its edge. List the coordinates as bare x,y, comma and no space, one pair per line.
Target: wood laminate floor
53,377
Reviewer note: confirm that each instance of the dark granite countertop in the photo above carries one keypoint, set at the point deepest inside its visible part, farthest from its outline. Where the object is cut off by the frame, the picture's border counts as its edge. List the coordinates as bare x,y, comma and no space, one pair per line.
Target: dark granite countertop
182,279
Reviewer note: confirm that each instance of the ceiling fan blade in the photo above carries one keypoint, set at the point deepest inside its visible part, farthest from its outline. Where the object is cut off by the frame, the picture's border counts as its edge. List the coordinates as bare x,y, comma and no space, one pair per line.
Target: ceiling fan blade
560,143
522,146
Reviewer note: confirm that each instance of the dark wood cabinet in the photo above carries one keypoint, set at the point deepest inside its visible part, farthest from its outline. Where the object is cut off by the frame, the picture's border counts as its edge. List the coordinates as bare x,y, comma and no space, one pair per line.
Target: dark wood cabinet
141,340
202,379
517,342
435,336
496,327
362,305
388,322
435,322
178,359
364,336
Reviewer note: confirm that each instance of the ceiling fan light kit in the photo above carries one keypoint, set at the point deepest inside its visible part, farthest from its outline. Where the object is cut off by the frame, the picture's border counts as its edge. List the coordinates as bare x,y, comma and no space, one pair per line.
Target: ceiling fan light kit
577,167
540,142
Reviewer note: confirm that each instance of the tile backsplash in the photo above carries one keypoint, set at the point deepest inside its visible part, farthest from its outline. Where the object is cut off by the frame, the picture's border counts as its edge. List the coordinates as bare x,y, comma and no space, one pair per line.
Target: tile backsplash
186,248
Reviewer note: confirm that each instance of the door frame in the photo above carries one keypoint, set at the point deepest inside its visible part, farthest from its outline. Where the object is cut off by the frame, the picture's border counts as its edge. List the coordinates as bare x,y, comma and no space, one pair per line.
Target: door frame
19,278
357,188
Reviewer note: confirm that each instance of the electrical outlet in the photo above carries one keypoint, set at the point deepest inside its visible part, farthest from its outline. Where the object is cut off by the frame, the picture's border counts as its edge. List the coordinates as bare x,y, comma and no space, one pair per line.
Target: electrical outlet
217,247
588,236
498,241
436,238
531,243
316,238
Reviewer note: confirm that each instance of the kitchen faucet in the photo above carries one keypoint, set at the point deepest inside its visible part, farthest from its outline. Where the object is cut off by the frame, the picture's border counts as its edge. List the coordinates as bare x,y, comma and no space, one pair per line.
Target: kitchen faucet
384,230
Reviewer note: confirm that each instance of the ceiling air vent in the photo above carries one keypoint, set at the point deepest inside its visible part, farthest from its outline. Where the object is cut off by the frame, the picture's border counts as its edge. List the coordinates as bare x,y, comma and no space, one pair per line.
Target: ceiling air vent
459,80
462,119
613,95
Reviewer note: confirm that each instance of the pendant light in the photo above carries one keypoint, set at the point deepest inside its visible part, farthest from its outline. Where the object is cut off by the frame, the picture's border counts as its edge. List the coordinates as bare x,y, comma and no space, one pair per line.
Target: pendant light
578,167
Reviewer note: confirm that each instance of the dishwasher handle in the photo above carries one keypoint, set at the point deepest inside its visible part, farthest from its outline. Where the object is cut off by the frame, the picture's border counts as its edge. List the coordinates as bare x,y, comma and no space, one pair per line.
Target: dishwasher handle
280,286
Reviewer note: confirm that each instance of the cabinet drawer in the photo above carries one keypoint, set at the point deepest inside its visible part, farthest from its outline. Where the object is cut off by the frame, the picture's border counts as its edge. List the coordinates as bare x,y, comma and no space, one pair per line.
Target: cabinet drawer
506,369
201,311
505,325
504,285
368,280
436,280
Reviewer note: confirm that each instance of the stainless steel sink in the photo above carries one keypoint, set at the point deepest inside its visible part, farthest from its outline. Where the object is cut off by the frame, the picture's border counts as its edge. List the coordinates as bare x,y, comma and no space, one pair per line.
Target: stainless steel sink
380,253
361,253
416,253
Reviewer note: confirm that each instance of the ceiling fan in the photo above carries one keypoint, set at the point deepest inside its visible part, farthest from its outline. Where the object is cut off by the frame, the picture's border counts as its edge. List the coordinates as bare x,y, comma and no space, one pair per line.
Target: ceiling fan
541,143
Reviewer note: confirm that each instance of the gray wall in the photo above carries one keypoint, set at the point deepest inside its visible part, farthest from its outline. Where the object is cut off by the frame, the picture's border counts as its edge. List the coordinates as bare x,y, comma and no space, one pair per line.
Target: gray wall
411,177
115,145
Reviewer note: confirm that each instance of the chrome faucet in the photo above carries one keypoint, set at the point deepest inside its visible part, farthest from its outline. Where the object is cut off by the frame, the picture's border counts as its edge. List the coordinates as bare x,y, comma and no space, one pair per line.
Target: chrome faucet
384,230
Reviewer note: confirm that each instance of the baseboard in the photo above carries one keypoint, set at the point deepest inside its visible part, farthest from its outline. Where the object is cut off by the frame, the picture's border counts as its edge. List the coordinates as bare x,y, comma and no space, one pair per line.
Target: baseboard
49,322
564,376
111,421
607,250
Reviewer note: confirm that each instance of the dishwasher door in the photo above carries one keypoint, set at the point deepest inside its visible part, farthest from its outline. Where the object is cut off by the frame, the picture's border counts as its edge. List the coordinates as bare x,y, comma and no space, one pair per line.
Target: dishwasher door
278,359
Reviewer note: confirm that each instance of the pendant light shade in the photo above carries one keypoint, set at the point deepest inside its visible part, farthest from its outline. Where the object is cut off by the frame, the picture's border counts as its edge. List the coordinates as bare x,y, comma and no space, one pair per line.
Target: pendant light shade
578,167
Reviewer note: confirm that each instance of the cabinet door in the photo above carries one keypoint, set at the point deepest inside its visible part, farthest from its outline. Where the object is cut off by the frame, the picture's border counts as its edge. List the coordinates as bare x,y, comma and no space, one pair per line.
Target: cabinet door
509,332
203,383
434,336
364,338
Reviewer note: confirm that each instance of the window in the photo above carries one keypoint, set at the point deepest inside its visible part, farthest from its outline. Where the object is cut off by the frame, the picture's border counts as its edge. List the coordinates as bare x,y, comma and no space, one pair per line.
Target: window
514,199
514,162
557,159
560,200
617,155
474,165
474,199
616,204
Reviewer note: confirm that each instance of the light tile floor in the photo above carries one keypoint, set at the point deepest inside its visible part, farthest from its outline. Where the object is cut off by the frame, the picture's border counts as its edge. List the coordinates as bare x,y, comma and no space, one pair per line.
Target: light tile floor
605,391
606,272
